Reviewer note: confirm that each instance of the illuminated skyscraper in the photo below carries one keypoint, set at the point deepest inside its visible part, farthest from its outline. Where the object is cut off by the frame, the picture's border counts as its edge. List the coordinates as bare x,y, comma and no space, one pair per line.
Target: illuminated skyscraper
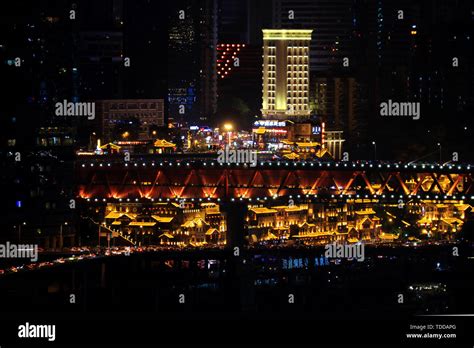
286,73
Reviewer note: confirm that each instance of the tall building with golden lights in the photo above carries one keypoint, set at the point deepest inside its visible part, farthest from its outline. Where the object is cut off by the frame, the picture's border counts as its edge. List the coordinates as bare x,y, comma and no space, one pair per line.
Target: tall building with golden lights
286,73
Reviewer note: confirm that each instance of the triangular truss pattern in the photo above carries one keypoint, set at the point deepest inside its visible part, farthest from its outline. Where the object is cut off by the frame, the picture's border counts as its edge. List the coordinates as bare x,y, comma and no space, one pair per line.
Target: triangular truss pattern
222,182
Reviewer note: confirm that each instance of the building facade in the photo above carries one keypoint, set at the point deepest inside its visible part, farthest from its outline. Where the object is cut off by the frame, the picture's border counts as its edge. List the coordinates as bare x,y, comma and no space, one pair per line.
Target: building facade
286,74
115,116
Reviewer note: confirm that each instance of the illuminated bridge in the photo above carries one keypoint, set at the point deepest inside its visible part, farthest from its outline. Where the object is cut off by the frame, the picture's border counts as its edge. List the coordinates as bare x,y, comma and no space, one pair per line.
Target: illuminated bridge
205,179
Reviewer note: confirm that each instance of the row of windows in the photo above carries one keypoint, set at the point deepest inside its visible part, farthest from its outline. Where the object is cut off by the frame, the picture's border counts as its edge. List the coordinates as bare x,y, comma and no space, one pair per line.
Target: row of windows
297,107
294,99
297,52
294,108
135,106
298,88
297,59
297,69
297,95
297,75
132,114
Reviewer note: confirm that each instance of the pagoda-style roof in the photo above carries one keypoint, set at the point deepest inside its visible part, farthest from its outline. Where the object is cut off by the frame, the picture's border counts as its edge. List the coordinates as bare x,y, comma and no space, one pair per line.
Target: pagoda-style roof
262,210
368,211
111,145
197,222
167,235
142,223
163,143
163,219
308,144
211,231
292,156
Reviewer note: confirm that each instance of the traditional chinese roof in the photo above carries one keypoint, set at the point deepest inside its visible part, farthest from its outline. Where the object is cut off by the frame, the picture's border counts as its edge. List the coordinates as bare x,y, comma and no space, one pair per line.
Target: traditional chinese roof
292,156
308,144
281,228
208,204
463,207
369,211
314,234
114,215
271,236
142,223
163,143
323,153
304,224
453,221
111,145
197,222
167,235
424,220
118,214
388,236
211,231
163,219
366,219
263,210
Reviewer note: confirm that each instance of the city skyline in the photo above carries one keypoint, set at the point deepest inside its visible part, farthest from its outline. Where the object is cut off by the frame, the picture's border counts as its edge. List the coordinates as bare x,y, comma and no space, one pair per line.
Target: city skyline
236,159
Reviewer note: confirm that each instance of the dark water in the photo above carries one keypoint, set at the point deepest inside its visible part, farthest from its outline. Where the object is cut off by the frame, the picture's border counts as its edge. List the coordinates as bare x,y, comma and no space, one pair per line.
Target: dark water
257,282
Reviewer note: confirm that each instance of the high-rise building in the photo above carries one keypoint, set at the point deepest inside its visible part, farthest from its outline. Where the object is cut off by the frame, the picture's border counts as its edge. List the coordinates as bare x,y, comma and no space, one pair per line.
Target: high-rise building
336,101
145,77
333,23
286,73
182,65
192,56
239,81
208,72
233,20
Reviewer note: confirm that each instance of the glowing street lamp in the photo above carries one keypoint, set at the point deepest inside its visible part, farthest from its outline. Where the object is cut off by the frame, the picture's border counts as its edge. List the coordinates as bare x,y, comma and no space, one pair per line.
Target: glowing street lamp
19,231
228,127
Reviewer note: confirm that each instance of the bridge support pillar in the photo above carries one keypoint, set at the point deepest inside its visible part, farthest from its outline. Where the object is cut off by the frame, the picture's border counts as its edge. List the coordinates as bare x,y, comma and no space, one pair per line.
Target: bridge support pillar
240,271
236,213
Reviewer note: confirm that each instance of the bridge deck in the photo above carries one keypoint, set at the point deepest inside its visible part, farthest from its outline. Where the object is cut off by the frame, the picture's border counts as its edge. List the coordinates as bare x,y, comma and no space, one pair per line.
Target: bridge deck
208,179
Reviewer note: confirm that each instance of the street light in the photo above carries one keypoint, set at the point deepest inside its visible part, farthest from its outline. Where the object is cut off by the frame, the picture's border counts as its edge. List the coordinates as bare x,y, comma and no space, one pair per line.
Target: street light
440,148
228,127
61,235
375,150
19,231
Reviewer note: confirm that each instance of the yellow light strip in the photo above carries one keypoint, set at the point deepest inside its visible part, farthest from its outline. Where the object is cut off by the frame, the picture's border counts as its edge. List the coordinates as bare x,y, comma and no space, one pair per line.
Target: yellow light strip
287,34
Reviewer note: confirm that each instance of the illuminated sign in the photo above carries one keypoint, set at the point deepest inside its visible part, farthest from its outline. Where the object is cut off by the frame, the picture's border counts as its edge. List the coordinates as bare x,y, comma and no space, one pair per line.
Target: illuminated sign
316,130
269,123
